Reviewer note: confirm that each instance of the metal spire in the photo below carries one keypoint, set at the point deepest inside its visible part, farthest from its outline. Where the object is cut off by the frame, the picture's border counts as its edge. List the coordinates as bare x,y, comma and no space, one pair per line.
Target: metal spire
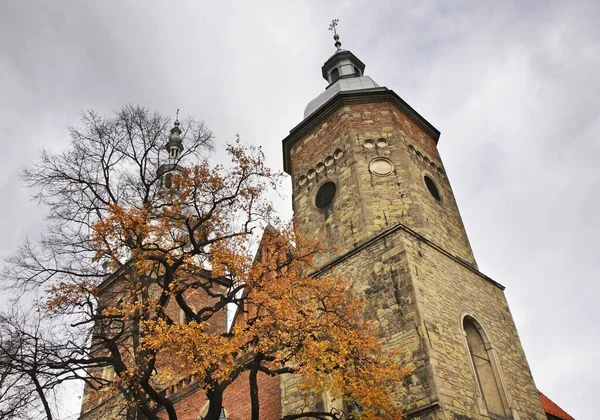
332,26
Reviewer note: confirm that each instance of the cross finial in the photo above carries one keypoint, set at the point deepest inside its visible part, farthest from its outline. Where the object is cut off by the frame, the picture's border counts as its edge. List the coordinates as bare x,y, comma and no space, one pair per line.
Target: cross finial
334,23
176,122
332,27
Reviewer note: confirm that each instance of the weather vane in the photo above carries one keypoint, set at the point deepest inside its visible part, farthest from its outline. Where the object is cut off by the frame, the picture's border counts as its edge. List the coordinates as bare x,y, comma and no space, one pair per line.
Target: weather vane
332,26
177,115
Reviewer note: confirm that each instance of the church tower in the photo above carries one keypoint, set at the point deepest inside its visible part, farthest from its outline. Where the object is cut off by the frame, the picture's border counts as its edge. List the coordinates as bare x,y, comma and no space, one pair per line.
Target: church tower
368,178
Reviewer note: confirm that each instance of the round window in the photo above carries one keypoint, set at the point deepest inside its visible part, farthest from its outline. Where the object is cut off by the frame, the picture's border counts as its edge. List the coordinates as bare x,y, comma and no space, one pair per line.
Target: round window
432,187
381,166
325,194
368,144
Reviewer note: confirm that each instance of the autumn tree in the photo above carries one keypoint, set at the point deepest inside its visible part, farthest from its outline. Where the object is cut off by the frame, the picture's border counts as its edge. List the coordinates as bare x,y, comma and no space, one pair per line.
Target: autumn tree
144,273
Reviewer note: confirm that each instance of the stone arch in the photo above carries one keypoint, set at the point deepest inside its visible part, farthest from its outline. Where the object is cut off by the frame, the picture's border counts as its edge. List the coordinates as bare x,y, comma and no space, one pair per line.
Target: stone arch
492,398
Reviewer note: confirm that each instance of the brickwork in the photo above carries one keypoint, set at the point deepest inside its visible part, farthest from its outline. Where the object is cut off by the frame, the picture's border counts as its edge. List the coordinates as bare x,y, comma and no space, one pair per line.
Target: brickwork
236,400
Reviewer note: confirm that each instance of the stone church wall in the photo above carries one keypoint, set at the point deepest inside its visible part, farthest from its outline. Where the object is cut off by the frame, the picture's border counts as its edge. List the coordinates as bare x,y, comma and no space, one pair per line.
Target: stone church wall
380,272
446,292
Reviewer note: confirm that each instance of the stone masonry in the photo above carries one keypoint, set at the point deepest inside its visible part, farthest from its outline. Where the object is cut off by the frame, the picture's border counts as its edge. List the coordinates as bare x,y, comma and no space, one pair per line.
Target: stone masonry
406,251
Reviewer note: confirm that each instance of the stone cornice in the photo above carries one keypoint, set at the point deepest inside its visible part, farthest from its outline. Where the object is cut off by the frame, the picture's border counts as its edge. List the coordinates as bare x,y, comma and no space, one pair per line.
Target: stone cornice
421,238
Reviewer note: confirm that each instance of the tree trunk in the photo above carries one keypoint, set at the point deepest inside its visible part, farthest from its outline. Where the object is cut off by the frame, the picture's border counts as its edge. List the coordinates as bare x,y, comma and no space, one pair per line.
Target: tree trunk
215,400
254,390
40,391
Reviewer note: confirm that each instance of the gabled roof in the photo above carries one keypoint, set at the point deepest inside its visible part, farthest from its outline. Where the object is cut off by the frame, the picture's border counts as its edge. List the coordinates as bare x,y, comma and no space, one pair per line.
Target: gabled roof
551,408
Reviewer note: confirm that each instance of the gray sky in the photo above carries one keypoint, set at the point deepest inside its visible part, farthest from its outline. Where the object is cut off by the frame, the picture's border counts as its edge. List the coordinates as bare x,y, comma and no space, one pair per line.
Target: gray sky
513,86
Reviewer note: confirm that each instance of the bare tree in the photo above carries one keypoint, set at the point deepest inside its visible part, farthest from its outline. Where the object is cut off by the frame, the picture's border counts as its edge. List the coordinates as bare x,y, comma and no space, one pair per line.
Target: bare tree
111,161
27,381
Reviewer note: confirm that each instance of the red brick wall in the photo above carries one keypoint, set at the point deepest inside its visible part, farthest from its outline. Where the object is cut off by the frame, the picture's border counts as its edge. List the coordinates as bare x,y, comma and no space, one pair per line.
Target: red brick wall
236,400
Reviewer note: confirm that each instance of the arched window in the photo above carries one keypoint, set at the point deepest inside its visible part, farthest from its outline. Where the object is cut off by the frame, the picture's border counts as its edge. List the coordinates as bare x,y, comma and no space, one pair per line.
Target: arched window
335,75
168,182
486,371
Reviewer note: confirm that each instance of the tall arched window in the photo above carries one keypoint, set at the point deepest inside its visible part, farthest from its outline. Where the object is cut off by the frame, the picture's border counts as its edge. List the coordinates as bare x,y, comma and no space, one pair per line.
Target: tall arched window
486,372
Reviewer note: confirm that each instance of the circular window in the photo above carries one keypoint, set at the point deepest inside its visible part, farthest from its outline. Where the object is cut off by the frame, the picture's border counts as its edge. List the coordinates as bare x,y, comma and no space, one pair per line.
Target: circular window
382,143
302,180
381,166
328,161
320,167
338,153
432,187
325,194
311,174
368,144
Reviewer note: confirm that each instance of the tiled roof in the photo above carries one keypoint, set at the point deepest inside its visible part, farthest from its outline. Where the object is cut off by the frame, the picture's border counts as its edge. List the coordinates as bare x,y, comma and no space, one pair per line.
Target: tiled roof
551,408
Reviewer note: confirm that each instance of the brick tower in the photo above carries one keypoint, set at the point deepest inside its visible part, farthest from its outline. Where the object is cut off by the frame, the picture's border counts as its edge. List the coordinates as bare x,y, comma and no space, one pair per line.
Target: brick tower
368,178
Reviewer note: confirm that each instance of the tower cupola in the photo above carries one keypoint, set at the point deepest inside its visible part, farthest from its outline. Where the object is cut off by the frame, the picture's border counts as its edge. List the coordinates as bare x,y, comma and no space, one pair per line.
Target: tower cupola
174,147
343,71
343,63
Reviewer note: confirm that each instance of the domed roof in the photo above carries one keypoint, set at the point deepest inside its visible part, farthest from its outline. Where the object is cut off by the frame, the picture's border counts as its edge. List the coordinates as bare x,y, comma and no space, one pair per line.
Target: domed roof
345,84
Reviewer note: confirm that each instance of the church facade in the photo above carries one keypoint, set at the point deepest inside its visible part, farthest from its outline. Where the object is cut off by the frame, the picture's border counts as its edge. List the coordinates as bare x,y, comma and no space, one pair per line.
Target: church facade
368,178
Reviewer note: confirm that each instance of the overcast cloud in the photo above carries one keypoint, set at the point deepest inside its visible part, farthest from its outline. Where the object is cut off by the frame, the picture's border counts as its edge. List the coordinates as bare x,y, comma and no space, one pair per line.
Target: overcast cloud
513,86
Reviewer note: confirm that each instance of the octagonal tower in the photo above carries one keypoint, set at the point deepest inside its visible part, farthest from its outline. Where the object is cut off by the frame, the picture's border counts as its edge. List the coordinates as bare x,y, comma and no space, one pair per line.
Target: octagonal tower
368,179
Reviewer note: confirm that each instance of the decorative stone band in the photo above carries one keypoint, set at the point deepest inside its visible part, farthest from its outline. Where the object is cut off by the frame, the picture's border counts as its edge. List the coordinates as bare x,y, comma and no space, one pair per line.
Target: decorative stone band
397,227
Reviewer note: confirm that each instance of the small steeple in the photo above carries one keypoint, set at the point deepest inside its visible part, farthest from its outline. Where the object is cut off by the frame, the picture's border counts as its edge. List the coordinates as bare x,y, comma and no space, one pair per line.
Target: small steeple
342,64
343,71
174,147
